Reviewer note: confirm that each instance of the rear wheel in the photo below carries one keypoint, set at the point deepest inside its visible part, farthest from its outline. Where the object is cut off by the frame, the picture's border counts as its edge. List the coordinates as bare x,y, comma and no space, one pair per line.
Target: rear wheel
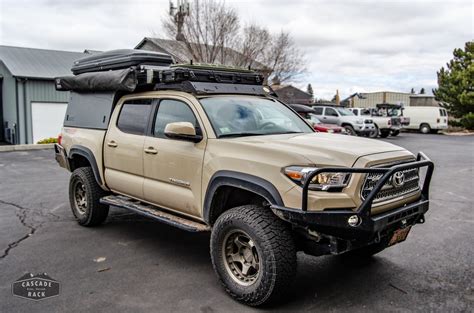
350,130
384,133
84,198
425,128
253,254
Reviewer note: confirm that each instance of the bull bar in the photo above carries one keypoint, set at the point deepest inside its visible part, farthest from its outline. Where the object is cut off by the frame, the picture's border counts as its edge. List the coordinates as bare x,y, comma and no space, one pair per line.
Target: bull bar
334,222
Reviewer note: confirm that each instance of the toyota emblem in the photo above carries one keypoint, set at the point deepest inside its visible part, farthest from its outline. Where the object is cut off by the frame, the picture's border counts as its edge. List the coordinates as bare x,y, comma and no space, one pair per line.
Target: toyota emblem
398,179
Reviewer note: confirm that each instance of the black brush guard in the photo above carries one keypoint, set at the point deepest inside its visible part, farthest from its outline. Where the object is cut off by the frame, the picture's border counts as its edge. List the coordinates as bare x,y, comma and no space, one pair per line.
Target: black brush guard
335,222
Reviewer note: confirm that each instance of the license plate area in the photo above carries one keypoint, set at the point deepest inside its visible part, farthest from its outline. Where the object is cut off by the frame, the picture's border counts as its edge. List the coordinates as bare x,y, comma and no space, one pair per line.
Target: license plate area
399,235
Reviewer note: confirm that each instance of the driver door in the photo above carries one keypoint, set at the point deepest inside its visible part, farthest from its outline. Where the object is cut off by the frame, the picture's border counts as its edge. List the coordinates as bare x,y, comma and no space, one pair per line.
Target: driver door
330,116
172,167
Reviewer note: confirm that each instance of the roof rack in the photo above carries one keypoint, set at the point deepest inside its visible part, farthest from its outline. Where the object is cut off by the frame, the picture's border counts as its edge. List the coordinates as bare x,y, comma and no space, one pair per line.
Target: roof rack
192,78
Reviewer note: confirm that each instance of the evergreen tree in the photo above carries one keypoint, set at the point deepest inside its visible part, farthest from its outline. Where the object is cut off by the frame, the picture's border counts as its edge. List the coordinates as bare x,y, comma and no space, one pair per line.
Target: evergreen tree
422,91
456,81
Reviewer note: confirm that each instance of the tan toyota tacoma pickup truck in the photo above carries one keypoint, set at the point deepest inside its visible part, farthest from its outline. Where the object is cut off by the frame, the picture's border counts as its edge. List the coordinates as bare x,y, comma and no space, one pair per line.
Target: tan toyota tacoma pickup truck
211,149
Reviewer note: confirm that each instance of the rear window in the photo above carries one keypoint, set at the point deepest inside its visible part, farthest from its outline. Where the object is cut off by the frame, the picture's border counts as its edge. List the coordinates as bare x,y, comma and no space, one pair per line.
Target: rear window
443,112
318,111
134,115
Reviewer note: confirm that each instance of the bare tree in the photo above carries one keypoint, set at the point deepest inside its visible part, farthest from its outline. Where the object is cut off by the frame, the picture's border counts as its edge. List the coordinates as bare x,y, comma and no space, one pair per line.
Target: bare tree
208,30
284,60
212,34
252,46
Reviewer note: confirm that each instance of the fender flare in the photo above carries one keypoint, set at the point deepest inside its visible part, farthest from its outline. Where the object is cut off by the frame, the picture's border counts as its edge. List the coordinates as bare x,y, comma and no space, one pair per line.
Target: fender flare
248,182
89,155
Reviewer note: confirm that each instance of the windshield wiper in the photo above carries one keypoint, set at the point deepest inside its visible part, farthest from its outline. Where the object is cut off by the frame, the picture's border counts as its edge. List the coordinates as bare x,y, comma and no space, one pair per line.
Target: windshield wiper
257,134
241,135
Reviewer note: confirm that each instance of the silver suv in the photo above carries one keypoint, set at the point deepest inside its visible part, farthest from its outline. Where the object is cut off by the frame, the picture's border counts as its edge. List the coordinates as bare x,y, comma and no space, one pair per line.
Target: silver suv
353,125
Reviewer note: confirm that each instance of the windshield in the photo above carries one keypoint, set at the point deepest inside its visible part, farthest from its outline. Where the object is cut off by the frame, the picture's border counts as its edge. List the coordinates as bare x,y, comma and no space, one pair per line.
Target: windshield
344,112
251,116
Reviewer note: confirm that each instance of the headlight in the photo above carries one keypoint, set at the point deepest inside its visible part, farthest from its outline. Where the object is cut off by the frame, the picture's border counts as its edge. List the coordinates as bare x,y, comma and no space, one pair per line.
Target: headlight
323,181
359,121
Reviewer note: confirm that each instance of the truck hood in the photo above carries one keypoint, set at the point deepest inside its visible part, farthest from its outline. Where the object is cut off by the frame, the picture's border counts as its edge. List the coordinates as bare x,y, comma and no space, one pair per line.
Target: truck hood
320,148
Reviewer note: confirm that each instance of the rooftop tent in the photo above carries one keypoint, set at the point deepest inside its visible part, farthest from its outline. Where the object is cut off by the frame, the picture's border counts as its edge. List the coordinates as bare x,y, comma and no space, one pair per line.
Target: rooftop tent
120,59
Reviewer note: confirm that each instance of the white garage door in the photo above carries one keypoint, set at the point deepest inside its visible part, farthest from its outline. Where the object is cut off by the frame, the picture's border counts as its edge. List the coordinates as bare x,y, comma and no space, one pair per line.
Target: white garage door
47,119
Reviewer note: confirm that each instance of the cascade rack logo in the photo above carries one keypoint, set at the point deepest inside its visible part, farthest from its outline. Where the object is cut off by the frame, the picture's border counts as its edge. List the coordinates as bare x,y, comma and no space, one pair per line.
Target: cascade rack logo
35,287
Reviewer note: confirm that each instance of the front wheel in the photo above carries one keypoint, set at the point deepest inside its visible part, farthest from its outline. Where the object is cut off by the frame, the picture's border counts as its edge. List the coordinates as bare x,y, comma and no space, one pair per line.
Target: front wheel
350,130
253,254
84,197
395,132
374,133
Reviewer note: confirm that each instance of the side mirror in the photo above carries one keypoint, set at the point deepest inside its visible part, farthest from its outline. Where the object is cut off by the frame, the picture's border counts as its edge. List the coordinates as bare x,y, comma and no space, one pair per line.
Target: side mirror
182,131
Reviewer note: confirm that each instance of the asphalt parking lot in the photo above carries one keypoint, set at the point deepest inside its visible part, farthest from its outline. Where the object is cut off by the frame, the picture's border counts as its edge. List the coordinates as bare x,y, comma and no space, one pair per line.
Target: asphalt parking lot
149,266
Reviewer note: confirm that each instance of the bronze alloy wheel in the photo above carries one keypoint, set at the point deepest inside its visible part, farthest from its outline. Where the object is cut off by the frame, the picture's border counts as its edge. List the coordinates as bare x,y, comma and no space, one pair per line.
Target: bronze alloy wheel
80,197
241,257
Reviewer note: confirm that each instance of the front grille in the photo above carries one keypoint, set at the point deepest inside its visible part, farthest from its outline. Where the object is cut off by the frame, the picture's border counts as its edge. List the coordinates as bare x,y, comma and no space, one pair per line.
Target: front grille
391,190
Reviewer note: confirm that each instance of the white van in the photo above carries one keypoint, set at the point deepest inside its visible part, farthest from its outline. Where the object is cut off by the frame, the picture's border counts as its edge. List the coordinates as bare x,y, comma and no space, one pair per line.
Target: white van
426,119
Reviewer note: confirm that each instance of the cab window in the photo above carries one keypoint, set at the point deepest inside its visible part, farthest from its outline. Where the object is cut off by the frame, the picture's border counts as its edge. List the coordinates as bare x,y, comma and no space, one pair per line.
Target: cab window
134,115
331,112
171,111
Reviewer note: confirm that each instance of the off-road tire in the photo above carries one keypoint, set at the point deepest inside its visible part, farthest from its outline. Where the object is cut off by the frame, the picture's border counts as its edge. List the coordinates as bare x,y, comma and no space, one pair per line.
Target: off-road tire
350,130
425,128
276,251
94,213
384,133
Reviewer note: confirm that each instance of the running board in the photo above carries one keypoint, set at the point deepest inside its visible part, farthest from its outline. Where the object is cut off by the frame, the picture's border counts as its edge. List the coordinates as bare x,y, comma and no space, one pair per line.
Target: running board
155,213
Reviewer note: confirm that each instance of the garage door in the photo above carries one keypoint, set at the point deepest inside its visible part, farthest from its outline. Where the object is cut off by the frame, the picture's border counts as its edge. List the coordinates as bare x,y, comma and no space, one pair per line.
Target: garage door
47,119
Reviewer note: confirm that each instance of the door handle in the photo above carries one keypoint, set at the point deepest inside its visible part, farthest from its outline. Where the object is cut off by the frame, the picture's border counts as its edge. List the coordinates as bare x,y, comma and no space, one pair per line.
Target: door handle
112,144
150,150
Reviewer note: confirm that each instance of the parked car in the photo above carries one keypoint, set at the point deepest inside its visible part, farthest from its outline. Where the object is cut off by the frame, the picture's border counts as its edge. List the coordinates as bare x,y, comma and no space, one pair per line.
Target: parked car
354,125
308,114
426,119
385,125
174,144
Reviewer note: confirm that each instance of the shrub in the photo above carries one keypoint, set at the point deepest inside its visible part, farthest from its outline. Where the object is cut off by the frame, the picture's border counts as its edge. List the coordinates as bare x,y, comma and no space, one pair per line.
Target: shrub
455,123
468,121
47,140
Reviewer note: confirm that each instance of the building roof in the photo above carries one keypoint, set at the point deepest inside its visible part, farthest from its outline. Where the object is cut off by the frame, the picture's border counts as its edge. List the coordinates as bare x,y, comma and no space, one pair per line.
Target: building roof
38,63
291,94
179,51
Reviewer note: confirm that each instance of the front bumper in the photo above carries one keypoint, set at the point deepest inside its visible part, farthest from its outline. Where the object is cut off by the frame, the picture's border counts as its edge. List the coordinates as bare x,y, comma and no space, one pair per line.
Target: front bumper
335,222
364,129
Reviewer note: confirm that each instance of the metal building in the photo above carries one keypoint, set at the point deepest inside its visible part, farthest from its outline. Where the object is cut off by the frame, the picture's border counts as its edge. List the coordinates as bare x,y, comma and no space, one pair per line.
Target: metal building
30,107
371,99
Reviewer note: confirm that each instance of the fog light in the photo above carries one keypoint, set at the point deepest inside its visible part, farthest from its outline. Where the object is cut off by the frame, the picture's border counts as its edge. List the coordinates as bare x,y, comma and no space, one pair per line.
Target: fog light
354,221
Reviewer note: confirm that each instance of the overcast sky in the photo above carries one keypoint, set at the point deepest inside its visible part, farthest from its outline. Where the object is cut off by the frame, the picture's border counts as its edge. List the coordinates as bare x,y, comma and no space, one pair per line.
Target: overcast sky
353,46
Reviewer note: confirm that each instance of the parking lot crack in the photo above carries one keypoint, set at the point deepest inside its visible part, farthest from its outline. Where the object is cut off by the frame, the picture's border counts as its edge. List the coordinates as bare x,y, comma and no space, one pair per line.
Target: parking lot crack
21,213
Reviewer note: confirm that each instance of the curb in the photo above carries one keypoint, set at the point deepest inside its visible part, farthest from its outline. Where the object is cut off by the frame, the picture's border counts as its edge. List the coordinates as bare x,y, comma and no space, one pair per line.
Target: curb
459,134
9,148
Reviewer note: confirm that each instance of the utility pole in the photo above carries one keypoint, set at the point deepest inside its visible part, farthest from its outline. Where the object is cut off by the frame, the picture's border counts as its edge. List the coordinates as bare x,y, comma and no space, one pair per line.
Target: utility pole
179,13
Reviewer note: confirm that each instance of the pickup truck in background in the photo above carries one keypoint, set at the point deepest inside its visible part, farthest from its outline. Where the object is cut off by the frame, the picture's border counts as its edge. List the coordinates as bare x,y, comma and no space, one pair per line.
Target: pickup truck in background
384,125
